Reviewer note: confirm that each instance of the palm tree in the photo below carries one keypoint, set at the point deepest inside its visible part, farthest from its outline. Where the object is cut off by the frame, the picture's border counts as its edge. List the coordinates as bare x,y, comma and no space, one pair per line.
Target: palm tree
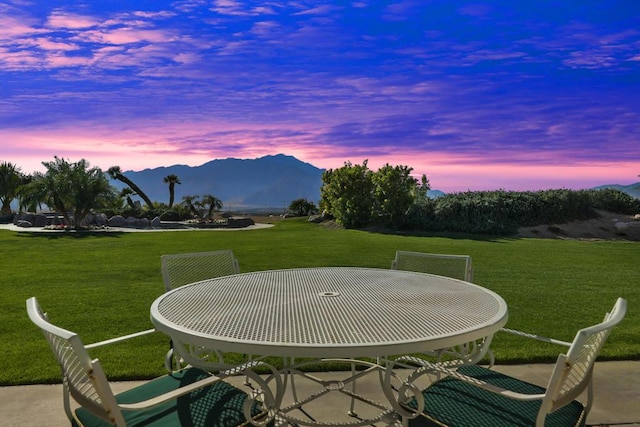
214,203
115,173
172,180
10,180
190,203
69,187
27,202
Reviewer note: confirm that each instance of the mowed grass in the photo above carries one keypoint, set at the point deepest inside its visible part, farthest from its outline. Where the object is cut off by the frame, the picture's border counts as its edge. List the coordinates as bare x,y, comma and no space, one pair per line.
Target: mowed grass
101,285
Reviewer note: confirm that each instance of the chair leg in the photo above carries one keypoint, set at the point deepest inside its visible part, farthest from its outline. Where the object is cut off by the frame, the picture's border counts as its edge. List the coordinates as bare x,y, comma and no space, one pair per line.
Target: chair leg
352,411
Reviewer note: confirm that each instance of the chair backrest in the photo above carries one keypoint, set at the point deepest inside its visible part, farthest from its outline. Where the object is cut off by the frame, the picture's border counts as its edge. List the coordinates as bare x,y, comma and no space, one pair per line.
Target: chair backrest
82,377
181,269
573,371
456,266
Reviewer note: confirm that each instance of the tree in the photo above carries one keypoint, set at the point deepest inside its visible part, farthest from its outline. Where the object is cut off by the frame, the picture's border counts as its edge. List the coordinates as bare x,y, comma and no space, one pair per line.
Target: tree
302,207
10,180
126,194
115,173
394,193
70,188
213,203
26,201
190,203
347,194
172,180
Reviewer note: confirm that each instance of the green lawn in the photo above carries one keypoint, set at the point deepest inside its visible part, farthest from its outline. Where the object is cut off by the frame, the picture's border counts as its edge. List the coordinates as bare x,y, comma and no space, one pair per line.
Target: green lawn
101,285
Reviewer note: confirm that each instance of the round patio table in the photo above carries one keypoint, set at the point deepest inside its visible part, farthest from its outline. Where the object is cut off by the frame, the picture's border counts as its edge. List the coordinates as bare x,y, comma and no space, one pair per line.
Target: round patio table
329,312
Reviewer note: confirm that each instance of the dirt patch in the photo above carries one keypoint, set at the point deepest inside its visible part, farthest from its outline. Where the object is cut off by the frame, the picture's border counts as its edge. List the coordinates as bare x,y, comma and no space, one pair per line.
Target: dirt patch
608,226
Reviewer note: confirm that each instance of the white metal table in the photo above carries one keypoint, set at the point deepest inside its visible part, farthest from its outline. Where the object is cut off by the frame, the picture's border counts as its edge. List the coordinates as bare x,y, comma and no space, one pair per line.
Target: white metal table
328,312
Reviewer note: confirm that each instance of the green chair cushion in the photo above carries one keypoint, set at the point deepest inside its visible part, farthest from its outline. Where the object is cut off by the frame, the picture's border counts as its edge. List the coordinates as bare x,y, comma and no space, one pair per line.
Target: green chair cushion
455,403
219,404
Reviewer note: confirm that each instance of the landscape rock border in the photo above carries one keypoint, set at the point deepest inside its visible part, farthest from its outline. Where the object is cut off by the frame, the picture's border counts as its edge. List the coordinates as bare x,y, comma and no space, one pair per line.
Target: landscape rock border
52,221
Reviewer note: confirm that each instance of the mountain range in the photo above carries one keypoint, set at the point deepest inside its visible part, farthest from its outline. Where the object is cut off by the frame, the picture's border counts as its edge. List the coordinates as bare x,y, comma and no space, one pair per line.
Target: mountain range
266,182
632,189
270,181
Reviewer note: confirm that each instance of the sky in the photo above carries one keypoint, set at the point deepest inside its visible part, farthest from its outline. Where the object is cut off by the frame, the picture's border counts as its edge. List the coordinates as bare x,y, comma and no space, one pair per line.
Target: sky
478,95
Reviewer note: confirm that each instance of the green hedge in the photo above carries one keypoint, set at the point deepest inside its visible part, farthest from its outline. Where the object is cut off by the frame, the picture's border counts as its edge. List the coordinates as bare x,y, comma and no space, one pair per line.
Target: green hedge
503,212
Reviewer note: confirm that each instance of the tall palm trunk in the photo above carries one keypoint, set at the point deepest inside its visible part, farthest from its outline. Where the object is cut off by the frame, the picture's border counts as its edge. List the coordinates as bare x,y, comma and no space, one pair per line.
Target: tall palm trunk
115,173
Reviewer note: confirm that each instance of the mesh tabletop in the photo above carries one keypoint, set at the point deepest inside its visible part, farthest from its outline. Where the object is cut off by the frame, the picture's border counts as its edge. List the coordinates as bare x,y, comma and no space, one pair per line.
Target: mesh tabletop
329,312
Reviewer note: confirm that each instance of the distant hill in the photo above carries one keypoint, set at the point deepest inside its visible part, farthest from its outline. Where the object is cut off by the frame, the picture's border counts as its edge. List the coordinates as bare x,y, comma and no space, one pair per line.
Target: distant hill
434,194
270,181
632,189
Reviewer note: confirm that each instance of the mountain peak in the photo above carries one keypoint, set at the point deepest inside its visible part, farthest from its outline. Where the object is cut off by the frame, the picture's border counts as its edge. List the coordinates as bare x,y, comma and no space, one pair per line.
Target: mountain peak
268,181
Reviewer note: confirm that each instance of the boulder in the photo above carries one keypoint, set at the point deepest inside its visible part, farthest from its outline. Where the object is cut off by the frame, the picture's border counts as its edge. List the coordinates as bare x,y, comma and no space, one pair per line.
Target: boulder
25,216
621,226
156,222
142,223
24,223
117,221
316,219
101,220
239,222
40,220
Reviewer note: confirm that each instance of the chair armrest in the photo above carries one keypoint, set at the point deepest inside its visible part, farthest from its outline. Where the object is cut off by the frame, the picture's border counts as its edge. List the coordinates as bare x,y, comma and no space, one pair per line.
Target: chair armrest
482,384
158,400
118,339
536,337
495,389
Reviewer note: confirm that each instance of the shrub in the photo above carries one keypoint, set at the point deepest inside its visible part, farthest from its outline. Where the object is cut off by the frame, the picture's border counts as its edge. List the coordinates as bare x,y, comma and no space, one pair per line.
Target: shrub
613,200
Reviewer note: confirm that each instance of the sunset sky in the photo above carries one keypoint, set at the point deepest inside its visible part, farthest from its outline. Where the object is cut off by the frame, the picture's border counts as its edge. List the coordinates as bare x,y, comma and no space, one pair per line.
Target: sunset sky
516,95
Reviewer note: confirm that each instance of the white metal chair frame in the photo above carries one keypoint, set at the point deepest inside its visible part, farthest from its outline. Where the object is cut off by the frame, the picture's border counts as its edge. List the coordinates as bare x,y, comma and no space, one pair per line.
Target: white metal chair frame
433,263
85,381
571,375
457,267
182,269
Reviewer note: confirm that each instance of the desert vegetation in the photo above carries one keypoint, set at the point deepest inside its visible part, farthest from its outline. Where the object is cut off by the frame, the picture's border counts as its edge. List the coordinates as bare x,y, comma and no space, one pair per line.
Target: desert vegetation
75,189
391,198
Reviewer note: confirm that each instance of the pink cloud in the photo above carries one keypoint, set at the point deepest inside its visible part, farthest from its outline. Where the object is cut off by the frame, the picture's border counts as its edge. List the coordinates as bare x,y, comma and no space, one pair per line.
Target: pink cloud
59,19
49,44
56,61
20,60
14,28
229,7
161,14
123,36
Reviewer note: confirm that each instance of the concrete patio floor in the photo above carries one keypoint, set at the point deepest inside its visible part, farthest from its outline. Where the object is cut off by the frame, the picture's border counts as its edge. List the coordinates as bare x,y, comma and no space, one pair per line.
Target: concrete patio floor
616,402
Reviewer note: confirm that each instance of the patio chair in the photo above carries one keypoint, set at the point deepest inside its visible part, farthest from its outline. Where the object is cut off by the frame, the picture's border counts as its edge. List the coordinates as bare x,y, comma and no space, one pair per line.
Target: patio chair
473,395
189,397
456,266
181,269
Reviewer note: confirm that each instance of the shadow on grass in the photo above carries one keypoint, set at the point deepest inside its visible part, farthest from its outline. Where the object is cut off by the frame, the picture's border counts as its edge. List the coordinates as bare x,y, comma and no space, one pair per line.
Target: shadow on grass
441,234
69,234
